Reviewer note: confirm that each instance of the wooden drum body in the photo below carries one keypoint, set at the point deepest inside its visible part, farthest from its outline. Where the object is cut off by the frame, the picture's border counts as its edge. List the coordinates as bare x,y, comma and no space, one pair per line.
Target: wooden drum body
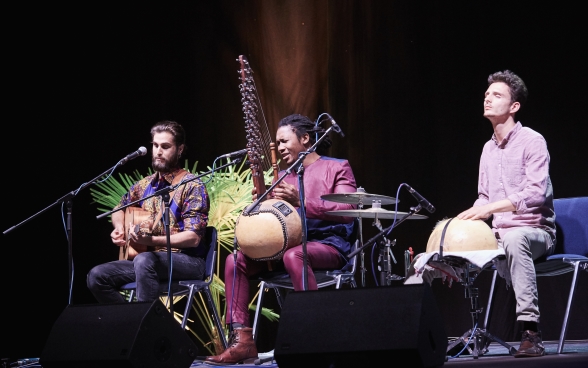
265,232
461,236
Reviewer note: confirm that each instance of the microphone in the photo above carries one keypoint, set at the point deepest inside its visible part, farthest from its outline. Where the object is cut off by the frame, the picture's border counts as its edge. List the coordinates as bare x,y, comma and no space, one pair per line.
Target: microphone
336,127
422,201
140,152
239,153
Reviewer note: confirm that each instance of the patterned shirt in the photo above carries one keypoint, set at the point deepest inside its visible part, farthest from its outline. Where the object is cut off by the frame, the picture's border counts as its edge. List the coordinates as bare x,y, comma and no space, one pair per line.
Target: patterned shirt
517,169
188,208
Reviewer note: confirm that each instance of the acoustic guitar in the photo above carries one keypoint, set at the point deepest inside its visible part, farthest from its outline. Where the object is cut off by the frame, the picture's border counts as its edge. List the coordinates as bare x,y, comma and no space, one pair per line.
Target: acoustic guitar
141,221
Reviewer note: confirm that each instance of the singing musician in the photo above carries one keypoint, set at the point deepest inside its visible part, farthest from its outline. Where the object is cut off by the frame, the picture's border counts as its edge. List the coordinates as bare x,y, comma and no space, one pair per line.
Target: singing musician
328,237
514,188
147,260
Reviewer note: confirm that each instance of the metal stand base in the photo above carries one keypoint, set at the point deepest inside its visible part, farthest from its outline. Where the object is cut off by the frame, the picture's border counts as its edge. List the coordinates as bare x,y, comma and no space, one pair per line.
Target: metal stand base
260,361
265,357
481,339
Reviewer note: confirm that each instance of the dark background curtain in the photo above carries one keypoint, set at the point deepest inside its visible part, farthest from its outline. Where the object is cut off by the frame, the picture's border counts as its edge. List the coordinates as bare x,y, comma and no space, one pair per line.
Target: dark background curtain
404,80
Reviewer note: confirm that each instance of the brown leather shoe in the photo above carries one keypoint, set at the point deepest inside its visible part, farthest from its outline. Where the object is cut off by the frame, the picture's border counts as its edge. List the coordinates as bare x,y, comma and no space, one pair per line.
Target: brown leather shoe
531,345
241,349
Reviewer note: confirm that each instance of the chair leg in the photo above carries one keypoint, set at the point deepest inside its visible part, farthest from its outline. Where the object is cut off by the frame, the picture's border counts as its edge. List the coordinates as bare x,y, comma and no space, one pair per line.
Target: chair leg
258,309
338,281
188,306
564,326
280,297
216,318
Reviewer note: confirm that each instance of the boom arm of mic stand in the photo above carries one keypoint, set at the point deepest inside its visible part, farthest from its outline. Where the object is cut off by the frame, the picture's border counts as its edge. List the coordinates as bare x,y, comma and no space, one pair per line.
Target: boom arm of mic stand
382,233
66,198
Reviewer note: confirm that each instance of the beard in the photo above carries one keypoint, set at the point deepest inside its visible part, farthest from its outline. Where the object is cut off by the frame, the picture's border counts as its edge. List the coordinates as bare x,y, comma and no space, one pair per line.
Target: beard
167,165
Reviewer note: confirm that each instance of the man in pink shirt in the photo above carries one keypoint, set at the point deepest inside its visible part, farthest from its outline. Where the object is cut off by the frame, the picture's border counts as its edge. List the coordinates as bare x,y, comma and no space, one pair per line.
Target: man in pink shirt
328,237
514,188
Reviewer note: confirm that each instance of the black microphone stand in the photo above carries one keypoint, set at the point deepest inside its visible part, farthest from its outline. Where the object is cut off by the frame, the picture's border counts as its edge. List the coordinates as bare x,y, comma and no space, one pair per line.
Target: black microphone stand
68,198
297,165
165,198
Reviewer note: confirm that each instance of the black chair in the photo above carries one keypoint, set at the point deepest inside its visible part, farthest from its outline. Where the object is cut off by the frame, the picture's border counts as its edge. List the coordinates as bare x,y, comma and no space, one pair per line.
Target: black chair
190,287
571,251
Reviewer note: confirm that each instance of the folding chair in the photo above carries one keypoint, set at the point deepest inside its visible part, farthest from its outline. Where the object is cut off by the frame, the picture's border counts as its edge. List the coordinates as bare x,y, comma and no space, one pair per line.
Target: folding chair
571,251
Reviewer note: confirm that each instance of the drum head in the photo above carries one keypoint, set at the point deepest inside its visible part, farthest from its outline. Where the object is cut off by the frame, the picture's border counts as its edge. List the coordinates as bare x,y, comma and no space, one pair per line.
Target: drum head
461,236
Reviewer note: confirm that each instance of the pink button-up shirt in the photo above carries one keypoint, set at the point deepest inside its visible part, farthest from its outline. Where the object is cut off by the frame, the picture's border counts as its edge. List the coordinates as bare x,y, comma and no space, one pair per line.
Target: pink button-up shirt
517,169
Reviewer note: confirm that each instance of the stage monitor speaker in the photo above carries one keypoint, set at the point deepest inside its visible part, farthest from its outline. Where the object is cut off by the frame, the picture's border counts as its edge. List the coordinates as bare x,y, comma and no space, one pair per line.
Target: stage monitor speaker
142,334
363,327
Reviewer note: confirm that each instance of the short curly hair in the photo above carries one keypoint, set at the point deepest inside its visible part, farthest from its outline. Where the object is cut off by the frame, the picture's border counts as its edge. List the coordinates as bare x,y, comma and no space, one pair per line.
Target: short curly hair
300,125
518,89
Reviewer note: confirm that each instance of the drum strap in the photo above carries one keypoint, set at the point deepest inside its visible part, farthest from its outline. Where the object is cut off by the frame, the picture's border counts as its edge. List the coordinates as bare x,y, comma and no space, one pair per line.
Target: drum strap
443,238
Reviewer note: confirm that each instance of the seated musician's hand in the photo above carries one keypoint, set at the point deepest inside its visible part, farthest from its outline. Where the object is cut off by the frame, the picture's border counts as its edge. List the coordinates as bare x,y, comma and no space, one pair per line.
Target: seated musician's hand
254,194
138,237
287,192
475,213
118,237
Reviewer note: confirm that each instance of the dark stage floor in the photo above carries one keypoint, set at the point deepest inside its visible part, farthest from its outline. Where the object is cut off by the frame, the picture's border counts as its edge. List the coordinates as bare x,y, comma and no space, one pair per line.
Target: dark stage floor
575,355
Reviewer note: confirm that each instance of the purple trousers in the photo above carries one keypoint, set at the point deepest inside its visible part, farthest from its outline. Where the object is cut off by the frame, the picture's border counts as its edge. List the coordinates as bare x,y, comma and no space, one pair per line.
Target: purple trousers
320,256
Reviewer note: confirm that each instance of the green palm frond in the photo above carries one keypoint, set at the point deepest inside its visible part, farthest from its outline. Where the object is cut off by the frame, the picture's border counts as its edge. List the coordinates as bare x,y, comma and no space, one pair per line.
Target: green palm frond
111,190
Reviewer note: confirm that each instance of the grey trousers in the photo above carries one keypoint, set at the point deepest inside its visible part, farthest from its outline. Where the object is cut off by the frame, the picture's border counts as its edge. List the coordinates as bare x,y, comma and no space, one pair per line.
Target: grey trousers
522,246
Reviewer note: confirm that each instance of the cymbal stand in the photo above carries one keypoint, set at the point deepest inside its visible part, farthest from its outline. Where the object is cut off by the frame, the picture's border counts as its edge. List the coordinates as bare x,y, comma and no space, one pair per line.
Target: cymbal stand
384,264
408,257
480,337
362,268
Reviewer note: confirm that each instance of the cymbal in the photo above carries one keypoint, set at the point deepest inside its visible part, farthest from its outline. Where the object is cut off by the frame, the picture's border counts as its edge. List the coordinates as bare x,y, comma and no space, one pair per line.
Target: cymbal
358,197
375,212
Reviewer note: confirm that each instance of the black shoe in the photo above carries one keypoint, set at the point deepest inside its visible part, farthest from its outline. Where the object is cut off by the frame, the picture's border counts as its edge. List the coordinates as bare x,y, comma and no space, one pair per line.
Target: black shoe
531,345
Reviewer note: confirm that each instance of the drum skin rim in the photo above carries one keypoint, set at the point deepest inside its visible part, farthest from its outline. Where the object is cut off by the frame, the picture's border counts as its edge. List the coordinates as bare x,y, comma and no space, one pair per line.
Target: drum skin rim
454,237
288,240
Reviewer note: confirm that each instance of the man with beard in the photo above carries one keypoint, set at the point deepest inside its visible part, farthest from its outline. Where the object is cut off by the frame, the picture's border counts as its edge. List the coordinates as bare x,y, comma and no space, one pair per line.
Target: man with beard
147,259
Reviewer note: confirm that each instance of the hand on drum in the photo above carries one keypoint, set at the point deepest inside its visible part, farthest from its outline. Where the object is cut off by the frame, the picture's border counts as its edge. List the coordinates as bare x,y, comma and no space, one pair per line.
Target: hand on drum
485,211
475,213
